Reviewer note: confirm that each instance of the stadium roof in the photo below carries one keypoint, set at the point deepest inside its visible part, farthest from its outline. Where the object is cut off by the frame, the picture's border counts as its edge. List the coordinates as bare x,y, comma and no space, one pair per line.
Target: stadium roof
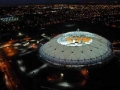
76,49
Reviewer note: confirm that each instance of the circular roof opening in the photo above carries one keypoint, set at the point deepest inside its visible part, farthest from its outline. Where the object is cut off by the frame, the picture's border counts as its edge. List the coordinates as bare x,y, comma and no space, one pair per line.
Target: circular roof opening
75,38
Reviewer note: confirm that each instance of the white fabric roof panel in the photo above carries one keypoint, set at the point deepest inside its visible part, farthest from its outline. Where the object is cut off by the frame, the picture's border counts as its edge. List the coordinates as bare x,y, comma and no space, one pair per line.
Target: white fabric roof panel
97,51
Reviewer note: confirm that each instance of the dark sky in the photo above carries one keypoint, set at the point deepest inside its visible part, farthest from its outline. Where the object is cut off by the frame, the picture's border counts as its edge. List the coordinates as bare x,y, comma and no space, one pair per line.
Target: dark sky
2,2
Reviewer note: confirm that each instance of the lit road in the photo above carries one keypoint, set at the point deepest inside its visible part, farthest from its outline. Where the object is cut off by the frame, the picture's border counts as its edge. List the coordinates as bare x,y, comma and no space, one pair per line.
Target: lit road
116,50
10,78
8,50
114,43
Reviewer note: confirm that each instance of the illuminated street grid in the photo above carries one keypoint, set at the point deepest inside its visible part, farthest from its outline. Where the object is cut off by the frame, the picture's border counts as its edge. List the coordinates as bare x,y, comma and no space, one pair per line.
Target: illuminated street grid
25,28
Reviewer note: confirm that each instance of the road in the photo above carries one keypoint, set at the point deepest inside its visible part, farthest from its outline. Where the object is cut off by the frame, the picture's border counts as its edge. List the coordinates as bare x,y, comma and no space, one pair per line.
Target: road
11,80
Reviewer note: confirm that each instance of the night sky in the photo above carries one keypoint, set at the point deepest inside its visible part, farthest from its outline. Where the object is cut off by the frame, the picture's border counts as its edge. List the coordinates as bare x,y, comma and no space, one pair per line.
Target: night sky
2,2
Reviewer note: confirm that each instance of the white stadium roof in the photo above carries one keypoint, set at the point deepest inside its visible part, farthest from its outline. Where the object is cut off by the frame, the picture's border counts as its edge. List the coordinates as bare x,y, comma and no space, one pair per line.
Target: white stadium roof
76,49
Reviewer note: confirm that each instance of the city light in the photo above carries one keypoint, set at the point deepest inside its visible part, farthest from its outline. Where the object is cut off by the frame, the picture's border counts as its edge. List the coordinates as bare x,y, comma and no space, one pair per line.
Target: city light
84,72
62,74
22,68
49,43
20,62
20,34
65,84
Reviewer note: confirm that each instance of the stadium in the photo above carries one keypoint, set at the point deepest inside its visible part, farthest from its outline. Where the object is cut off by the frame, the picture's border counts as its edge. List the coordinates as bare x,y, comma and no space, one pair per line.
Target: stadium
76,49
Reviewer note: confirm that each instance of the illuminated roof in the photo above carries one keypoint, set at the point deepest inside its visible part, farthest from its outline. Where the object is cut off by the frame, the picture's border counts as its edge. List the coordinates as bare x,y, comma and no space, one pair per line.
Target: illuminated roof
9,19
75,38
76,49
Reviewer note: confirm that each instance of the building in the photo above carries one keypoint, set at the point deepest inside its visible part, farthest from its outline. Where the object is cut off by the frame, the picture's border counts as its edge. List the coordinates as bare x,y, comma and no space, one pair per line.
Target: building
76,49
9,19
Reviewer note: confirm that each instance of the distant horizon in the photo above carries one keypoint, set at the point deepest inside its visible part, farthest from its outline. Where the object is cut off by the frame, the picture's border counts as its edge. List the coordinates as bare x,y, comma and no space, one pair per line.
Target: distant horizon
89,3
38,2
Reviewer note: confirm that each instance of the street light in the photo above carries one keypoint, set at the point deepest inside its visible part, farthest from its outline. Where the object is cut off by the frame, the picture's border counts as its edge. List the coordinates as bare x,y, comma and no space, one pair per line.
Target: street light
62,74
20,34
